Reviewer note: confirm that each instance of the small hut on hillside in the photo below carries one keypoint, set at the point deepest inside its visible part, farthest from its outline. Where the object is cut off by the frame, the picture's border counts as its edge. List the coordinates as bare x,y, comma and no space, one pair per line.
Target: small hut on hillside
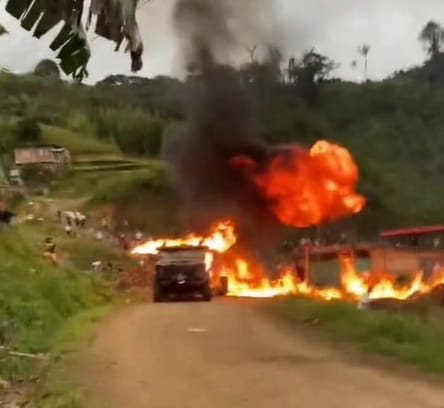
51,156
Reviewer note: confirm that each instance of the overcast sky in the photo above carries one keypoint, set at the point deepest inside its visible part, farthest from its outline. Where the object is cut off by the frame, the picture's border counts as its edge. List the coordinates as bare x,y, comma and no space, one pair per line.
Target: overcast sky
335,27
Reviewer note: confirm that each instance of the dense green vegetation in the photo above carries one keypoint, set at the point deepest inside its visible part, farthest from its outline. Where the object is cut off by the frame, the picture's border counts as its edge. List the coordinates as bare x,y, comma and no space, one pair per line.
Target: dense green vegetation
36,299
114,131
394,128
406,337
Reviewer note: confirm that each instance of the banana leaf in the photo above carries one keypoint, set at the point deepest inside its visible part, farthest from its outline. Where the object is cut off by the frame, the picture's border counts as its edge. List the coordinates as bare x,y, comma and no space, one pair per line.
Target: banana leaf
116,21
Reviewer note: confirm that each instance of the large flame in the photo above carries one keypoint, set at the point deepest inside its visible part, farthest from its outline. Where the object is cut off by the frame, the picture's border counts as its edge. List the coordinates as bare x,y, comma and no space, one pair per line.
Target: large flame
221,238
303,188
245,281
247,278
306,187
384,286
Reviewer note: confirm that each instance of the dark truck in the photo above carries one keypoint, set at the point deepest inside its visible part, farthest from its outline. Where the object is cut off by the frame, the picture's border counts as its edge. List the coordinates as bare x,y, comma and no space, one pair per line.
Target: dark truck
181,272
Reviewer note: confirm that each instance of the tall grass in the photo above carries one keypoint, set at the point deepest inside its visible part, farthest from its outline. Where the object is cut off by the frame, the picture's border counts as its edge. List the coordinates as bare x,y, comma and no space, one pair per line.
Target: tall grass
114,183
123,185
36,299
76,143
405,337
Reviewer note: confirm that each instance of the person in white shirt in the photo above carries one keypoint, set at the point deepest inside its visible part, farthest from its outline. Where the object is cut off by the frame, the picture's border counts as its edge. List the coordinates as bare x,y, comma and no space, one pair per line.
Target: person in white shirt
68,229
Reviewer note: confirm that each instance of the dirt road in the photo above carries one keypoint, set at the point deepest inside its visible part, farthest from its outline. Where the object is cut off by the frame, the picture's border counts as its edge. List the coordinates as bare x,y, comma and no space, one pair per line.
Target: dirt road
226,354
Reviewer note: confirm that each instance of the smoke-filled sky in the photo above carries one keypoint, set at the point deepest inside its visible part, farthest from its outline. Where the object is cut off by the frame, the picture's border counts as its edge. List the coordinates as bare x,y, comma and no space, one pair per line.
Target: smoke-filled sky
334,27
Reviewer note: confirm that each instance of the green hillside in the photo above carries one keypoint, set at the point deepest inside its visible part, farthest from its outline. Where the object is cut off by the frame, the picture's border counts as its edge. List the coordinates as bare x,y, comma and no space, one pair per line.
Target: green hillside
393,128
78,143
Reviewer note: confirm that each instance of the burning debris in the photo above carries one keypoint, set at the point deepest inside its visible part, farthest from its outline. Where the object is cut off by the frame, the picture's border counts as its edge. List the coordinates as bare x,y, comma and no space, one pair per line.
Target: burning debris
247,278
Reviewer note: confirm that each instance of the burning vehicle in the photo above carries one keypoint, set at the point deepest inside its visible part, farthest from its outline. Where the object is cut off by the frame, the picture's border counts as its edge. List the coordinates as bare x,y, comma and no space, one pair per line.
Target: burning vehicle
181,271
229,271
214,264
238,193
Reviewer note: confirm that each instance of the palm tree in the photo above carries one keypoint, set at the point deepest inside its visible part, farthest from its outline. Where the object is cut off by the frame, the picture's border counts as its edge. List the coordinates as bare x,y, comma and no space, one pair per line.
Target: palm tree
252,53
364,50
432,36
3,31
116,21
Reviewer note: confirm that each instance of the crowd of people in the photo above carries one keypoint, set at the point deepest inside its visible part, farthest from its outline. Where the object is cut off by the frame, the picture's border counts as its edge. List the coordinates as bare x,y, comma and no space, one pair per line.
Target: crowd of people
70,220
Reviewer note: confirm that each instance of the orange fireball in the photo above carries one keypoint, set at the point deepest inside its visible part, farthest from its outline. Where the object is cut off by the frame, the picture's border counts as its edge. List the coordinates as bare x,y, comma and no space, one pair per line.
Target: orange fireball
304,188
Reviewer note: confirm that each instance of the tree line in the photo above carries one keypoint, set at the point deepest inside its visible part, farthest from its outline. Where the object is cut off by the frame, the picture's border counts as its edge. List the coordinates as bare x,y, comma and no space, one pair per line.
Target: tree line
394,128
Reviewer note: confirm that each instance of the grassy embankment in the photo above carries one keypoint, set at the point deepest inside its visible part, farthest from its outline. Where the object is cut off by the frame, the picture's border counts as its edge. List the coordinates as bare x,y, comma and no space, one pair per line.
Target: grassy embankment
404,337
136,192
46,309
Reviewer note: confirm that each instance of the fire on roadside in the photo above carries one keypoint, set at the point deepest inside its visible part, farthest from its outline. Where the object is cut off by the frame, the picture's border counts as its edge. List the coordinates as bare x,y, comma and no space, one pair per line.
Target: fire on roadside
303,188
246,278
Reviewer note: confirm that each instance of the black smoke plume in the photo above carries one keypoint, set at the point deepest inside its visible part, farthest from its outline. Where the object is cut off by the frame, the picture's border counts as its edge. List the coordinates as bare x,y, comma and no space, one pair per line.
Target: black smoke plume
220,125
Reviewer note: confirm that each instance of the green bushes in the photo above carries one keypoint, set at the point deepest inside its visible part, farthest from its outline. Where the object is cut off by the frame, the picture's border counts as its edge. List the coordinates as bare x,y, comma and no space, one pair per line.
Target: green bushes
36,175
403,336
76,143
7,140
36,299
393,128
121,186
47,69
28,131
135,132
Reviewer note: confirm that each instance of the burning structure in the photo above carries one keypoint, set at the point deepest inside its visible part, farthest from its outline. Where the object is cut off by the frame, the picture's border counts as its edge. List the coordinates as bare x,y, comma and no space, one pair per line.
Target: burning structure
237,192
247,278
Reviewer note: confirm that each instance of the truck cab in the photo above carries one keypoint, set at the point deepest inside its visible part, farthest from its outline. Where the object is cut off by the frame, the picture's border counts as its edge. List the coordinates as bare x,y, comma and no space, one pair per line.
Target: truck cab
181,272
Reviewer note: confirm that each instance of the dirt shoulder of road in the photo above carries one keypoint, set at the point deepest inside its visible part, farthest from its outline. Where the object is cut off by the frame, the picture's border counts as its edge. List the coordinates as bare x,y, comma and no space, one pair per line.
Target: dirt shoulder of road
230,353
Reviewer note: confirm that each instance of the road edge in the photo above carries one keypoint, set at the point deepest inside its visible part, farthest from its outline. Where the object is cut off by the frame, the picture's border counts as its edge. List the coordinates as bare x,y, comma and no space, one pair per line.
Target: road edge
348,348
60,384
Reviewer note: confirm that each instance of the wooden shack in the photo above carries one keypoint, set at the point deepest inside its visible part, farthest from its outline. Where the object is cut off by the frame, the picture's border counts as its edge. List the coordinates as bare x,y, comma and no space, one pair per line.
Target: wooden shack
51,156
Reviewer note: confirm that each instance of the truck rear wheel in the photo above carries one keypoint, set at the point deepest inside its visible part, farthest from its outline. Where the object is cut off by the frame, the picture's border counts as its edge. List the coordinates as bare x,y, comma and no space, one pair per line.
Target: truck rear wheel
207,295
223,281
157,296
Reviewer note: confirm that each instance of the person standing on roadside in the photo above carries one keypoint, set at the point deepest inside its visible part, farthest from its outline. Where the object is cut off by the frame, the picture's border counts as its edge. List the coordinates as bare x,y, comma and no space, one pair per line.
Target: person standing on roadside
68,229
49,250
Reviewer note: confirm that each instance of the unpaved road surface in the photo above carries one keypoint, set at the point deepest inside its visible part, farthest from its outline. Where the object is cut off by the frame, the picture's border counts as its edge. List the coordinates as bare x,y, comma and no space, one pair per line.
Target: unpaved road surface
225,354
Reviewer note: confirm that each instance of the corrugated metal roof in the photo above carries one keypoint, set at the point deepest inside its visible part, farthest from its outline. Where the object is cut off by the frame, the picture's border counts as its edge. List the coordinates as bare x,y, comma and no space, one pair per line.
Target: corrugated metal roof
428,229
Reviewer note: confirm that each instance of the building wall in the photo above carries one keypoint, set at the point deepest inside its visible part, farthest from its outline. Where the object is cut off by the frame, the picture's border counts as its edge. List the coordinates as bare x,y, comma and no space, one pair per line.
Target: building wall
44,155
400,261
